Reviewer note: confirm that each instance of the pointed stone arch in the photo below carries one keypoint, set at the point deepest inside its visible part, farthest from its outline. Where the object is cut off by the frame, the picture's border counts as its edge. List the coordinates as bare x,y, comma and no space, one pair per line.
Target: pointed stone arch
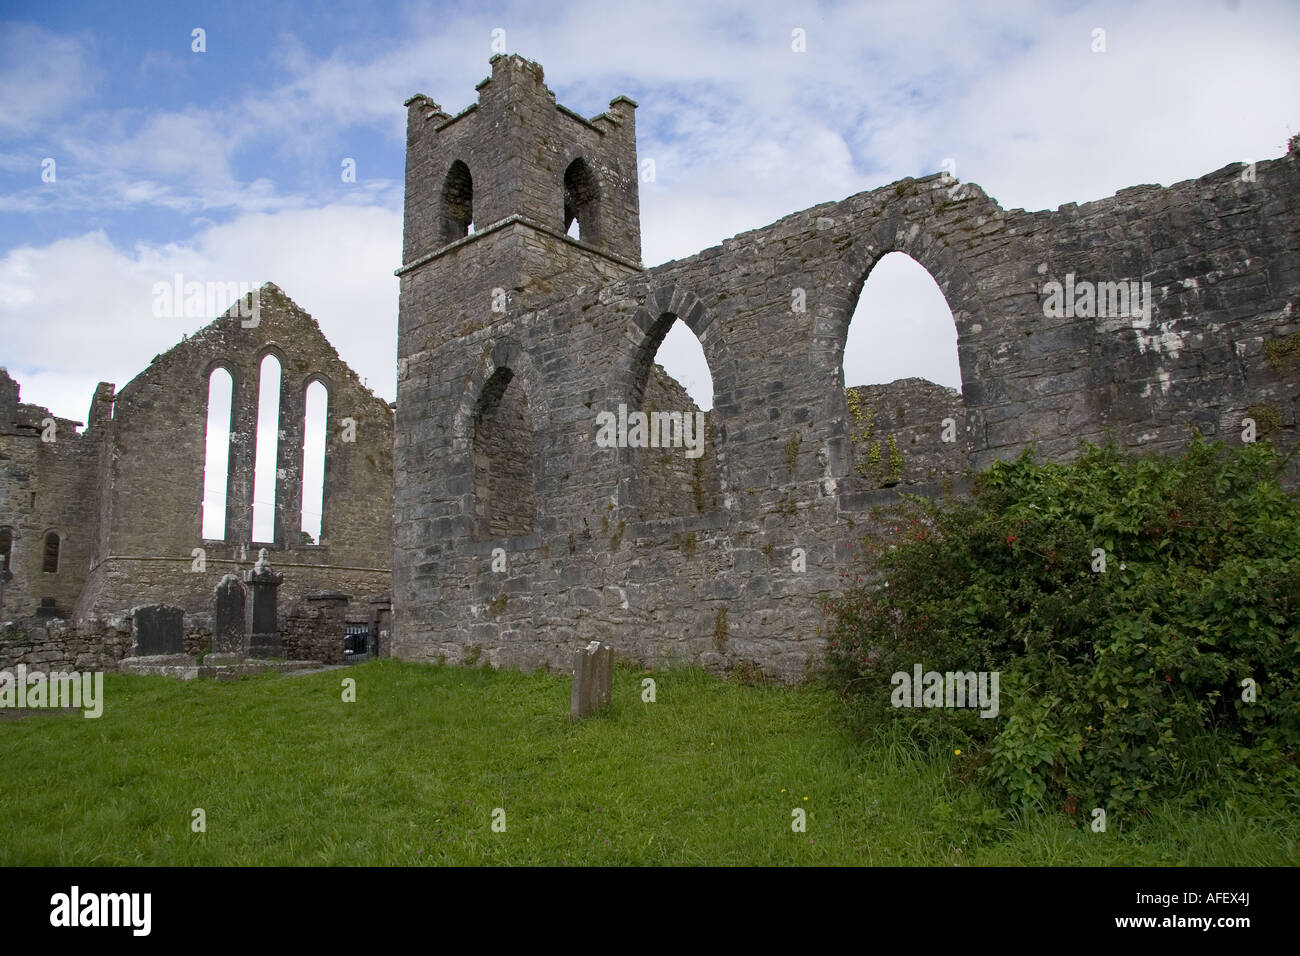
496,436
267,450
502,353
456,202
838,301
647,327
583,200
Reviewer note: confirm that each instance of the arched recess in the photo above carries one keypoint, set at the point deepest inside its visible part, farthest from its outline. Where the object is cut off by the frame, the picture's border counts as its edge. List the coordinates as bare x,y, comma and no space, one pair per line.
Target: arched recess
51,552
315,433
495,440
504,505
697,485
582,201
675,465
457,207
835,310
216,458
6,548
265,483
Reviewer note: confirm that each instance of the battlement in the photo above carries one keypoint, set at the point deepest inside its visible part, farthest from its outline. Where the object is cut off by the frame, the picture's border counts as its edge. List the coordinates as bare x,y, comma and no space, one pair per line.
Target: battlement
517,152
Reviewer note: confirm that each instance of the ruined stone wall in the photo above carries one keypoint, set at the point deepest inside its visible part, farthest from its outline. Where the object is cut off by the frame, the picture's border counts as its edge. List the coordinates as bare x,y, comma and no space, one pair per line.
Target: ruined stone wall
742,581
312,630
905,433
59,645
672,483
152,472
45,486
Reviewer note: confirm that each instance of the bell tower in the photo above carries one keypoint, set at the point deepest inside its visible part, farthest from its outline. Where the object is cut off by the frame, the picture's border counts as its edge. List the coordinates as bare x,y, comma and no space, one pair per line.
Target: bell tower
512,203
492,194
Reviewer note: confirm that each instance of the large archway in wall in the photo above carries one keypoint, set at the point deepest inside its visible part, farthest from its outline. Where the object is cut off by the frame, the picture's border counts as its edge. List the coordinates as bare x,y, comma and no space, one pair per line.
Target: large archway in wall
503,445
674,465
901,328
904,417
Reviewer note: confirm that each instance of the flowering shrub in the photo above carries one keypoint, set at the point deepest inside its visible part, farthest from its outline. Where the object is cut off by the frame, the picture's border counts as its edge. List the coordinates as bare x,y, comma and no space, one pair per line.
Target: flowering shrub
1143,614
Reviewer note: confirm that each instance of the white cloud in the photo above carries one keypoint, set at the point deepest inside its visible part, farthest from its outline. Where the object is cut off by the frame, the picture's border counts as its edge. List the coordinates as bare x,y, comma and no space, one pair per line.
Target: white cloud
79,311
42,74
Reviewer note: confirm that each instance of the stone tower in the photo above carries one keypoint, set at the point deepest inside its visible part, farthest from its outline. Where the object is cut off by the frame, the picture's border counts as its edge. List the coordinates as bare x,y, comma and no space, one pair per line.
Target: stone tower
491,196
491,193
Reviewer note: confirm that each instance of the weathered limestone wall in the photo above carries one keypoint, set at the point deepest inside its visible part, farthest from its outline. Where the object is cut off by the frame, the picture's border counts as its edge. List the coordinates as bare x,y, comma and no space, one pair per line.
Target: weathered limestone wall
59,645
670,482
897,433
312,630
44,486
1220,255
503,439
125,495
151,477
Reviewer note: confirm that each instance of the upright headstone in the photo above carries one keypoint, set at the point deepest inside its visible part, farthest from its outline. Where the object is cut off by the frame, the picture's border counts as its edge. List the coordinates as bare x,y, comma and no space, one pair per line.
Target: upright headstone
593,680
157,629
261,622
228,617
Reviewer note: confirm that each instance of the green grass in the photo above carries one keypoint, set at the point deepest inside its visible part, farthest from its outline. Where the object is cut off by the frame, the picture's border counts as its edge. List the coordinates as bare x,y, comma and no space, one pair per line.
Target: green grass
287,773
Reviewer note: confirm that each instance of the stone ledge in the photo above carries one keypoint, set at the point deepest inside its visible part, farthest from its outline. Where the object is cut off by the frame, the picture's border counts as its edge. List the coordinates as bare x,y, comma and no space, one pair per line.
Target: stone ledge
192,670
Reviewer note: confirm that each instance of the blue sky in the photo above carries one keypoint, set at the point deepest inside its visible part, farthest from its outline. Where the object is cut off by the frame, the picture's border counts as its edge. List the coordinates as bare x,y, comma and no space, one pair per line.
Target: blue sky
225,164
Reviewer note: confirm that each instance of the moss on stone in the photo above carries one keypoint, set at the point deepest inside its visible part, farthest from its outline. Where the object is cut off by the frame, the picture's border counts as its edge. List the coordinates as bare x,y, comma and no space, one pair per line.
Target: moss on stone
895,461
697,485
688,545
1267,418
747,673
1284,355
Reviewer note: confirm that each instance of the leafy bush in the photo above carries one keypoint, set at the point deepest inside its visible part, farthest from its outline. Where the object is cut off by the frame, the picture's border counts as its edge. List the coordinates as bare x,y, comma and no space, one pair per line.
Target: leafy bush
1114,684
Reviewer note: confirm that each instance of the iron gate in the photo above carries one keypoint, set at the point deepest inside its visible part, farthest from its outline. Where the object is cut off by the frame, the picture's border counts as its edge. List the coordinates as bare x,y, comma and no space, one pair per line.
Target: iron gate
359,644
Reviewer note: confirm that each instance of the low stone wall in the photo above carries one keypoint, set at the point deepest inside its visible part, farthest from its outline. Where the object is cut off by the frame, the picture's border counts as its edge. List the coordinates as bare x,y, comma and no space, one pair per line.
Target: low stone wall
58,645
198,634
310,630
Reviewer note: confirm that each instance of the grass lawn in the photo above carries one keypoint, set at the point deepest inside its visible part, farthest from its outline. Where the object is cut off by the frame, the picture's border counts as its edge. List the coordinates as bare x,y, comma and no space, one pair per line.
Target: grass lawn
287,773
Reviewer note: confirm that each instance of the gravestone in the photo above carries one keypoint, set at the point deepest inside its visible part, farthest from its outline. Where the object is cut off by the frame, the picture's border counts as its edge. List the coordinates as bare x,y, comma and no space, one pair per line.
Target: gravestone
593,680
157,629
228,617
261,621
